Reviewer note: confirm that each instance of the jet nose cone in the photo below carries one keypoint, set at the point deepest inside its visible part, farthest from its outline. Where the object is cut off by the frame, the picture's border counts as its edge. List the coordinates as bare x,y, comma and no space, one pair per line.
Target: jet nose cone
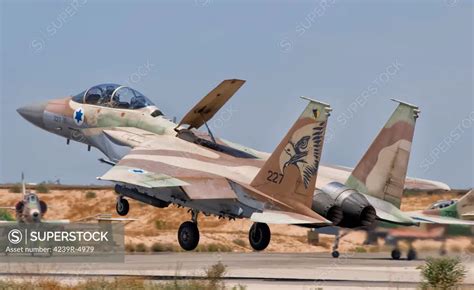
33,113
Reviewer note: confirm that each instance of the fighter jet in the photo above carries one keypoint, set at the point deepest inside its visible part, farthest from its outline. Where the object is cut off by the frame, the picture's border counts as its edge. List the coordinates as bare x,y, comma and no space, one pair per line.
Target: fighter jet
458,211
176,163
31,208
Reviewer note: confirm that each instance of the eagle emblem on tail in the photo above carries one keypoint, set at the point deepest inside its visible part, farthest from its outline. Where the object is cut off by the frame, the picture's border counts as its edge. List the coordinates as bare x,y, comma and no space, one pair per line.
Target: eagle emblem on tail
304,151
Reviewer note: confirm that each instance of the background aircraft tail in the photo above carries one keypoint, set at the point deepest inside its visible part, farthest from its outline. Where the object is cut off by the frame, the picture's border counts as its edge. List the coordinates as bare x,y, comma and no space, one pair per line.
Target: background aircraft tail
465,206
23,185
382,170
291,170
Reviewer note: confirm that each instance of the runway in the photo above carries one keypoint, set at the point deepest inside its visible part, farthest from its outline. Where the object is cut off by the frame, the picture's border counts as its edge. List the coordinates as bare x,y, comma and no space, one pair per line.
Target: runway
299,270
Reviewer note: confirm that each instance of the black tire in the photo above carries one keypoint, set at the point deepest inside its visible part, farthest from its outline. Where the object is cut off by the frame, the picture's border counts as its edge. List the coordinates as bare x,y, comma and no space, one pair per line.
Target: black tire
335,254
188,236
411,255
43,207
259,236
122,207
396,254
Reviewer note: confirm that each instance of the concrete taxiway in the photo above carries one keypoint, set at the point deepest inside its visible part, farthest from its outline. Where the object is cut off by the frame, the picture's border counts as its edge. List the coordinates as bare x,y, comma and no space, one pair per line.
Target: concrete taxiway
300,270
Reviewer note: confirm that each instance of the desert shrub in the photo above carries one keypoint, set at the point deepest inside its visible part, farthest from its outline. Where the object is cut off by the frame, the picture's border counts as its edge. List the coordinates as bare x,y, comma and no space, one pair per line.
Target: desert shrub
161,247
130,248
215,273
360,250
240,242
141,248
442,273
15,188
42,188
116,283
91,194
5,215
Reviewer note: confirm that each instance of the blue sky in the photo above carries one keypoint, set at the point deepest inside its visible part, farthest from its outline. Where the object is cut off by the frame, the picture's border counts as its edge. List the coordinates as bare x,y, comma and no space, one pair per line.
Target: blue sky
355,55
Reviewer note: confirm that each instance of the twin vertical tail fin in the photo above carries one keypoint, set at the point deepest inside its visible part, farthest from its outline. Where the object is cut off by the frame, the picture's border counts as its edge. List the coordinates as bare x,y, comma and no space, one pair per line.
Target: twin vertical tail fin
382,170
291,170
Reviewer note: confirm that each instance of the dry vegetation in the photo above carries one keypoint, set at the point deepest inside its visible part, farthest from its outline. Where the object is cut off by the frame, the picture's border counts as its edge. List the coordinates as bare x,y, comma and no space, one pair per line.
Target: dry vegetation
211,280
155,230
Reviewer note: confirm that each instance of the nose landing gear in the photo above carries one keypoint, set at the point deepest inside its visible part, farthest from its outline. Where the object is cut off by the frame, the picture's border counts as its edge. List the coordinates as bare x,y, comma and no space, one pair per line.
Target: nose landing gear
188,233
122,206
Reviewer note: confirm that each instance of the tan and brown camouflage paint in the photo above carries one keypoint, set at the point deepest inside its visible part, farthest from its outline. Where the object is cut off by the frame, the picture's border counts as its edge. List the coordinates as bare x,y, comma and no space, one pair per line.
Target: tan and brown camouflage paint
382,170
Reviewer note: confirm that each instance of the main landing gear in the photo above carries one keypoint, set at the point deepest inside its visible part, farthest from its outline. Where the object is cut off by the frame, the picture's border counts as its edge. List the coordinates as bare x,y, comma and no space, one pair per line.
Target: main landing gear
188,233
122,206
259,236
339,236
411,254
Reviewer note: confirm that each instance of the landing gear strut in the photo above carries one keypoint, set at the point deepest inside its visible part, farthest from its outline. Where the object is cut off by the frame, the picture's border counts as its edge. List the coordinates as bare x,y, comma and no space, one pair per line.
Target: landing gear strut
259,236
122,206
442,250
339,236
188,233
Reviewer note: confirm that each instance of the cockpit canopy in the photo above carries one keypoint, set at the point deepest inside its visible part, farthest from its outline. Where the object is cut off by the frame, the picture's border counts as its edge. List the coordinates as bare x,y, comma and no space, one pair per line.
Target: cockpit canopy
442,204
31,198
114,96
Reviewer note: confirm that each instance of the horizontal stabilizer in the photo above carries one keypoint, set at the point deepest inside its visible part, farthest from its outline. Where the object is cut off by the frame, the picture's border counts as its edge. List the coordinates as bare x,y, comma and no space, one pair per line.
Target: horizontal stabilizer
389,213
286,218
443,220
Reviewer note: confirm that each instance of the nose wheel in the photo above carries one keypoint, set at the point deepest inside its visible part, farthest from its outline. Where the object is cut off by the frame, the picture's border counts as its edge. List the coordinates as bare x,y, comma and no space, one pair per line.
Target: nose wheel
188,233
188,236
259,236
122,206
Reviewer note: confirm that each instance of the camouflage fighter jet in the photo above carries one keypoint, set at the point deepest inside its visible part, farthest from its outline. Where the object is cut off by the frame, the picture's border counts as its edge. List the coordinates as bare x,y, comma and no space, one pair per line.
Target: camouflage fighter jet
108,115
31,208
455,220
210,177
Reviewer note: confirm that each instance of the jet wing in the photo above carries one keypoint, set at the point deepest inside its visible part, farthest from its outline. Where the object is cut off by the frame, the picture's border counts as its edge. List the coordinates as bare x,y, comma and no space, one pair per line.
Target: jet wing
444,220
166,161
211,103
202,173
140,177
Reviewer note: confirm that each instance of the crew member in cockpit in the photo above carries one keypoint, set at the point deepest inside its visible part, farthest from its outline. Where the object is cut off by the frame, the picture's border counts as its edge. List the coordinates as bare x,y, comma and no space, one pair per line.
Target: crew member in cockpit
107,95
